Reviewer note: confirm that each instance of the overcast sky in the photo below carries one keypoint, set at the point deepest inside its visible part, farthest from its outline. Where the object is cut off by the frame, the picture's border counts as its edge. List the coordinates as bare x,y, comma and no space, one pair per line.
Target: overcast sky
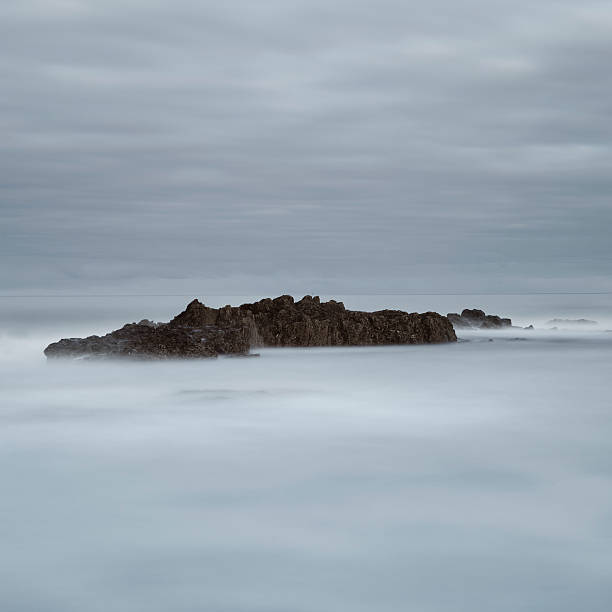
323,145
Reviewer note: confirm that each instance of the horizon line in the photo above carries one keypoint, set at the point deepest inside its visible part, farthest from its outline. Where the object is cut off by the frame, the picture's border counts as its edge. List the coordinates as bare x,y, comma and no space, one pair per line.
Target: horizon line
385,293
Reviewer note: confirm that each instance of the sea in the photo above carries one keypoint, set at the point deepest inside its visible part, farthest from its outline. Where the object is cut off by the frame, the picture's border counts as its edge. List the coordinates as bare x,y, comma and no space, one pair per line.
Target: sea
466,477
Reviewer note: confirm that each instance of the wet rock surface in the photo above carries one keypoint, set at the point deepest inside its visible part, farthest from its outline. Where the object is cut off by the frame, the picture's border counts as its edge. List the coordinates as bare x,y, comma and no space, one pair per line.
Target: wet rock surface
310,322
477,319
201,331
162,341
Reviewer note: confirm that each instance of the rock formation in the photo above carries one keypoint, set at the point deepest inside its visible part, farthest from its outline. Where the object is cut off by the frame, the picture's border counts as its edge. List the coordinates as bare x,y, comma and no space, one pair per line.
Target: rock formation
200,331
145,340
477,319
572,322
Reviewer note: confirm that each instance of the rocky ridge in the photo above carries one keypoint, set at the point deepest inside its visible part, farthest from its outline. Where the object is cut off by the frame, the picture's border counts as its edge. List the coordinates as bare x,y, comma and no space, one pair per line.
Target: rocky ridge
201,331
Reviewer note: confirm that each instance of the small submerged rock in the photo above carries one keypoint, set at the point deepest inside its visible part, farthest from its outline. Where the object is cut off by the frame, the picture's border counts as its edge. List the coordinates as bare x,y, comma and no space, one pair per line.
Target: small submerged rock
477,319
571,322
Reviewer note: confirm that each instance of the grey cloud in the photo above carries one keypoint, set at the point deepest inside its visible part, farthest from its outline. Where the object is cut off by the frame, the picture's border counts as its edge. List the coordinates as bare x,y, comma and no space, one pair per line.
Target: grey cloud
455,145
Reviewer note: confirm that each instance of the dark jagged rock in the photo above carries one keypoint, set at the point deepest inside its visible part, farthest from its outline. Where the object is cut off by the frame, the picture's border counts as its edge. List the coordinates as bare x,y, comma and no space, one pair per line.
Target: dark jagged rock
309,322
200,331
197,315
160,341
477,319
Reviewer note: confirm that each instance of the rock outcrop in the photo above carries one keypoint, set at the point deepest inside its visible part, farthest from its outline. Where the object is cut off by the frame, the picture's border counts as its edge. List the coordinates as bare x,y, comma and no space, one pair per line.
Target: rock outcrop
477,319
201,331
156,341
310,322
572,322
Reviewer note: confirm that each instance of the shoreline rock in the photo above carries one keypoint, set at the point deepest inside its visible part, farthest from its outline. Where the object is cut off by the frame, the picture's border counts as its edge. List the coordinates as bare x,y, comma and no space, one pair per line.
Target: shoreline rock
477,319
200,331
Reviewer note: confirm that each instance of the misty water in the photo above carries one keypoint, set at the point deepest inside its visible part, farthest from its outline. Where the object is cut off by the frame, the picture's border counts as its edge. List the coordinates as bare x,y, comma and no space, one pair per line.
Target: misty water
474,476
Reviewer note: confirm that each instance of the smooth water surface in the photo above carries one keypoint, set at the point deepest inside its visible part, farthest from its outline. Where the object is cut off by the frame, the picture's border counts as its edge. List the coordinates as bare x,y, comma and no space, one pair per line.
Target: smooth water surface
471,477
